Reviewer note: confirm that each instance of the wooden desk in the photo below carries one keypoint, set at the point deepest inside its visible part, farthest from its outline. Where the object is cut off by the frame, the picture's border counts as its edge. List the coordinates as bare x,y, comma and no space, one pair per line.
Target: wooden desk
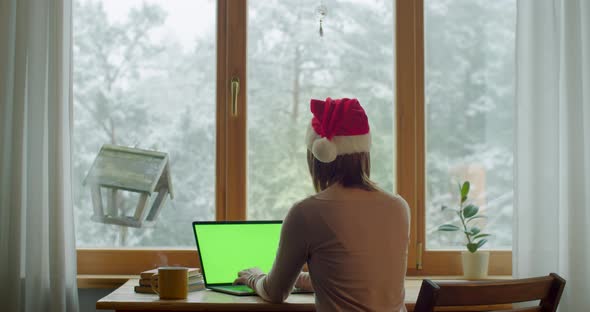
125,299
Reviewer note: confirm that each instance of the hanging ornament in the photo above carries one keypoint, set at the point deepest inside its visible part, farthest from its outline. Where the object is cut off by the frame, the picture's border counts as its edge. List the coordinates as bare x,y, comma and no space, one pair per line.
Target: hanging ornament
322,12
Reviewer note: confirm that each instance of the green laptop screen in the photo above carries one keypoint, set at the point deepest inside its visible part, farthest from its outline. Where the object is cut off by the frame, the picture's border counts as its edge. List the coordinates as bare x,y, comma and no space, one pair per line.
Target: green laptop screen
226,249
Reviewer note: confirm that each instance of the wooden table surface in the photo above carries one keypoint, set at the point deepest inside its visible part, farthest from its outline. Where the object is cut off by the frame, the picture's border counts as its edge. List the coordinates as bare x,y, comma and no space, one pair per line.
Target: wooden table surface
125,298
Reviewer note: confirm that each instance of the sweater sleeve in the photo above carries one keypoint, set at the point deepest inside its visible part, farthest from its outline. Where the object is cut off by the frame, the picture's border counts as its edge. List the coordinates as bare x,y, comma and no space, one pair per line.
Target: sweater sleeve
291,255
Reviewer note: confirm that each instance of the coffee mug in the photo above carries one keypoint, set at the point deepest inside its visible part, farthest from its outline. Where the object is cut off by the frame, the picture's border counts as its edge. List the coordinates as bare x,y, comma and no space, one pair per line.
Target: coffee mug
171,282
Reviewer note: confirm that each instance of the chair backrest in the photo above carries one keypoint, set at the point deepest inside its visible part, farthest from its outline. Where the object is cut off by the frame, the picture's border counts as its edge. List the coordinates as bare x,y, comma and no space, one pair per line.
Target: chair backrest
548,289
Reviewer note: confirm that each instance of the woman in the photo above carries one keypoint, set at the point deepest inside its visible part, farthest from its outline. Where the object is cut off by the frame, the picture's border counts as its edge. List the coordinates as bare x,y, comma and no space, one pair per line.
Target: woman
353,236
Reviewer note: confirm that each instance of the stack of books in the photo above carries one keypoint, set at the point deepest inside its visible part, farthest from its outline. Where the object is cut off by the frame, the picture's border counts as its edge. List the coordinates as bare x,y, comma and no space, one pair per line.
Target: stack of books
195,281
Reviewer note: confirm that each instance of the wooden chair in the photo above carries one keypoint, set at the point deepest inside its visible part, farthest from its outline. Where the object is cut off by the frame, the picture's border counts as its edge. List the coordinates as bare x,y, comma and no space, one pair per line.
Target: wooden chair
548,289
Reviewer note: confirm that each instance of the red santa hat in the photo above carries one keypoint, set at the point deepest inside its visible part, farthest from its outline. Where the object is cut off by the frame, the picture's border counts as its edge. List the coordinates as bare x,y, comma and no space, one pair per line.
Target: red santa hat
338,127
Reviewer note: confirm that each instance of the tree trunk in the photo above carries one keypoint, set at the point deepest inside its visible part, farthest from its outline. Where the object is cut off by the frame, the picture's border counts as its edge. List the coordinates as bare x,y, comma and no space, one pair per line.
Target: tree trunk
119,200
296,84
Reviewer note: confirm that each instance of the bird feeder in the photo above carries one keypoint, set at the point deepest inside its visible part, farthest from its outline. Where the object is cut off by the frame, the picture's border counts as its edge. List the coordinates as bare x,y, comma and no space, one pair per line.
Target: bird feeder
124,169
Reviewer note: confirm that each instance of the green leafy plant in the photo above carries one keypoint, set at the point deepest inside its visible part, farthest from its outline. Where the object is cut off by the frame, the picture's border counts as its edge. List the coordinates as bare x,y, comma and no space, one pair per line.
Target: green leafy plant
467,214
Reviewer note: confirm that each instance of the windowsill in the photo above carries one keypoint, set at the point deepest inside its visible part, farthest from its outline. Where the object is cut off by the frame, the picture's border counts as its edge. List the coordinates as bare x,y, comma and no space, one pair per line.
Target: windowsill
103,281
115,281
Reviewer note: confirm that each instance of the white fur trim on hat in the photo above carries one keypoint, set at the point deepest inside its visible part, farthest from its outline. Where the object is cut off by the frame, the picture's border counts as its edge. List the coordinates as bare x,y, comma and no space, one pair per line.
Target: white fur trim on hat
326,151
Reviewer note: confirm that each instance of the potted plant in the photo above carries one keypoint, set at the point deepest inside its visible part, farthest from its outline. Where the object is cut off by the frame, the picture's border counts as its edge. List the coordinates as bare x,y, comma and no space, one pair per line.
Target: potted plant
475,262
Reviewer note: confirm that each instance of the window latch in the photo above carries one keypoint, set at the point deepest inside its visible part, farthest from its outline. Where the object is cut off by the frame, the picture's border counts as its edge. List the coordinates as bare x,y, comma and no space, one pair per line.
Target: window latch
419,256
235,89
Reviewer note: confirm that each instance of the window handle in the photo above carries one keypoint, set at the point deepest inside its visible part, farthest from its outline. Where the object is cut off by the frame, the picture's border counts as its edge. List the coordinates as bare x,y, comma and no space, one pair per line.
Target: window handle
235,89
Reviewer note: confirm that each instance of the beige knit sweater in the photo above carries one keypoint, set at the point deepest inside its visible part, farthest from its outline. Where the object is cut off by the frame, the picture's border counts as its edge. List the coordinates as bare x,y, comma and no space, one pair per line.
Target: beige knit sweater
355,243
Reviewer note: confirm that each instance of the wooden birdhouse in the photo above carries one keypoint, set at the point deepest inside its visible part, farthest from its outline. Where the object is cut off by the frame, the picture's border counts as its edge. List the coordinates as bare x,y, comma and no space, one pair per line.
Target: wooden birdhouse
119,169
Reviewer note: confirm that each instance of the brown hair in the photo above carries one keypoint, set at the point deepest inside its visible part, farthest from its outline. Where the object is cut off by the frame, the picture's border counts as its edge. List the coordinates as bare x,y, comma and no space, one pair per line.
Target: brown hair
350,170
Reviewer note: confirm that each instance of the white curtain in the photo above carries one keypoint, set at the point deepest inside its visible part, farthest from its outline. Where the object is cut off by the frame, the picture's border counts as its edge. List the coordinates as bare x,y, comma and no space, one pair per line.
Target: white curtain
552,206
37,245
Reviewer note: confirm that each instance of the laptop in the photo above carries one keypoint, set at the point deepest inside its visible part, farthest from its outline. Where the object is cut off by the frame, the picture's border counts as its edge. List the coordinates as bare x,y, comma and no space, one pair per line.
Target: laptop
227,247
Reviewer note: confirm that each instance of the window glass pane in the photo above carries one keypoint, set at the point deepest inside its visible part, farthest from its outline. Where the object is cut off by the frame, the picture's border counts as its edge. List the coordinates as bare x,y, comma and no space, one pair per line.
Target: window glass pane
469,63
288,64
144,76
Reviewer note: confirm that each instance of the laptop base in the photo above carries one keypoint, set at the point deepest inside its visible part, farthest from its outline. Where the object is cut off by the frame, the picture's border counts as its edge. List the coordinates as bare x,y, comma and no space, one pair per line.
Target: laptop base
242,290
236,290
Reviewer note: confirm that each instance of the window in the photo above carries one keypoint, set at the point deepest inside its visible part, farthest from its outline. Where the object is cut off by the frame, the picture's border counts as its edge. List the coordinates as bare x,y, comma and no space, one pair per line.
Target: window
469,99
467,123
158,75
352,59
144,76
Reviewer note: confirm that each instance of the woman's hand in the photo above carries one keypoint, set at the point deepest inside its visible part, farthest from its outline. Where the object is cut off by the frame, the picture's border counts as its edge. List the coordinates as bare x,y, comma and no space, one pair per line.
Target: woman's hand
247,275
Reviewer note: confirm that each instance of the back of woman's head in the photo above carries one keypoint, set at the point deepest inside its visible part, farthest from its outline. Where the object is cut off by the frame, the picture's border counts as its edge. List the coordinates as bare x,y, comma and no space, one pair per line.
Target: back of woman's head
338,144
350,170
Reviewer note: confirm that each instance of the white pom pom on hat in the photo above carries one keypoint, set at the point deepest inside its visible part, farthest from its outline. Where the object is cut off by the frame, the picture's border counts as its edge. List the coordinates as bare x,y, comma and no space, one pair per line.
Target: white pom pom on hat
324,150
338,127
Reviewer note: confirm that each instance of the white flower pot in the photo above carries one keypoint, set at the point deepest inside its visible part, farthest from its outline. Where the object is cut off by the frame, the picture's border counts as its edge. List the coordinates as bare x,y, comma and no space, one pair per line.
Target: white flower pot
475,265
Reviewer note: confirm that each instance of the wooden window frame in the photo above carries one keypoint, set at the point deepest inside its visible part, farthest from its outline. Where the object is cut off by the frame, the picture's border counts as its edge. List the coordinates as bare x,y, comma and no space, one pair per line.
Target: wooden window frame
231,151
411,161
